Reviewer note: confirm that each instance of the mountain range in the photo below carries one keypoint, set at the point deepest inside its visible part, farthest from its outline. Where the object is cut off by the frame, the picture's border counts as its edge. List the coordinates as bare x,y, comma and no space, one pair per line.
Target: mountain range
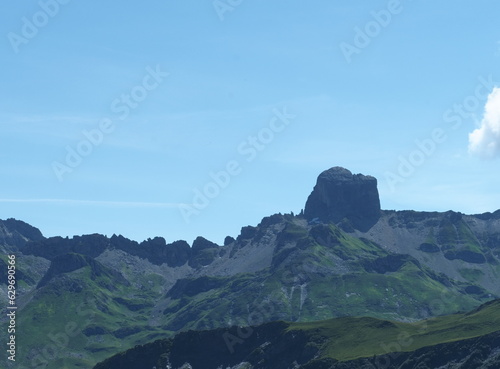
341,266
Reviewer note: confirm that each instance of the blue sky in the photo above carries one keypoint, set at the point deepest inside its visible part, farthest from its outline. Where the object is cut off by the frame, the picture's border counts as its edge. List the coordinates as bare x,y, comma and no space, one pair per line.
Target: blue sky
158,98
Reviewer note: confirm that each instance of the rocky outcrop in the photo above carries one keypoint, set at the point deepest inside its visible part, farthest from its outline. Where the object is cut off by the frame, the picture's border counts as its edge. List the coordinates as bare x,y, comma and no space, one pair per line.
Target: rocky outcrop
203,252
15,233
247,233
68,263
91,245
156,250
20,275
466,255
340,195
389,263
201,243
192,287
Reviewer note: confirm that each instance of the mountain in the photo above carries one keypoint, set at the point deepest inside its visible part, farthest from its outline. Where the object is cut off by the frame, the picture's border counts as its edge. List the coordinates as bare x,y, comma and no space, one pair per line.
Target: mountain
92,296
341,196
466,340
15,234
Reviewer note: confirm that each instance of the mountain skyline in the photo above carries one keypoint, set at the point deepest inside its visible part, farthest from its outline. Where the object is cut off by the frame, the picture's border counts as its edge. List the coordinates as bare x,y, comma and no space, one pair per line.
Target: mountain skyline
113,120
190,210
342,257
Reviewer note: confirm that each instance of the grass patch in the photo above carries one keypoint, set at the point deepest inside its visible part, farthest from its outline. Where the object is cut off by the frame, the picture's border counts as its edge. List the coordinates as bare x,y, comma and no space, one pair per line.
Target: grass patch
350,338
472,275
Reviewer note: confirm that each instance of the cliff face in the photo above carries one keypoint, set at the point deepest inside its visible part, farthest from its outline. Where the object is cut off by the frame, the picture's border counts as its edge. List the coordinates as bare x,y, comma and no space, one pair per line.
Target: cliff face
15,233
340,195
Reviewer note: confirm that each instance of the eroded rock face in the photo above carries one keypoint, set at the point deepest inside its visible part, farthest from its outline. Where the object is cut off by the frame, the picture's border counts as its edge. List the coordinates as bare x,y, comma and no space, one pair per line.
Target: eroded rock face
15,233
340,195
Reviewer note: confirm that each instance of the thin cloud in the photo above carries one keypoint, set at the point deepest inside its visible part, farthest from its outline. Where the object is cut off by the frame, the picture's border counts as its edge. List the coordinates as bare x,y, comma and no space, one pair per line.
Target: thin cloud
124,204
485,140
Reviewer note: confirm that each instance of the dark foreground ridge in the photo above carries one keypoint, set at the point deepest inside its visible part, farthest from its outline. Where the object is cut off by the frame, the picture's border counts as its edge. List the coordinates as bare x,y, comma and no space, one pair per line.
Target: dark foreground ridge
343,343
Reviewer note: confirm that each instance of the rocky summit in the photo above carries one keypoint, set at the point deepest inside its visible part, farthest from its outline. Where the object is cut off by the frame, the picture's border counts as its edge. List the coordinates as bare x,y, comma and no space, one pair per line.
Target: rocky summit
340,196
342,257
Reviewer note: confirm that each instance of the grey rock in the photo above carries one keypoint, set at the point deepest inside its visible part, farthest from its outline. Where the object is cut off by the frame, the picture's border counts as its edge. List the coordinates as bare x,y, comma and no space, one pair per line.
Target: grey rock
15,234
201,243
340,195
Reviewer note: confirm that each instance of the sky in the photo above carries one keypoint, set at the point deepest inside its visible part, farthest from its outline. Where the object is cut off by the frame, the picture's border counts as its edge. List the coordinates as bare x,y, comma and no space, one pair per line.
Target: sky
195,118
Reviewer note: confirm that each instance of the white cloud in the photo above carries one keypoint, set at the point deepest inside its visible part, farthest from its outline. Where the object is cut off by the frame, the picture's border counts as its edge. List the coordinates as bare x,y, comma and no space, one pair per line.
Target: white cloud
485,140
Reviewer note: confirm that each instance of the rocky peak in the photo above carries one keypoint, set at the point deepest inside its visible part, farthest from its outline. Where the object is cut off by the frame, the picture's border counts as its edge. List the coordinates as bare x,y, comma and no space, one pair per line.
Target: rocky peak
339,195
15,234
201,243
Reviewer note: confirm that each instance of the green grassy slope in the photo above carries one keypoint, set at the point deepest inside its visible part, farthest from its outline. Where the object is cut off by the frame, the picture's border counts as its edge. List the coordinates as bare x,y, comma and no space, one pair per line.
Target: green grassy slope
81,318
315,276
85,311
350,338
279,345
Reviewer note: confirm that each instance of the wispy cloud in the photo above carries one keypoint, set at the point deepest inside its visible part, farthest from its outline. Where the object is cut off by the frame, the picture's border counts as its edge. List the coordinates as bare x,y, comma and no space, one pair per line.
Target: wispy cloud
16,119
72,202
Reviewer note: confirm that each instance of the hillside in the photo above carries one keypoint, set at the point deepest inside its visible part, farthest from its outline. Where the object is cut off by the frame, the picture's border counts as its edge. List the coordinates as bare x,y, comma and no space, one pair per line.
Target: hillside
467,340
342,256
